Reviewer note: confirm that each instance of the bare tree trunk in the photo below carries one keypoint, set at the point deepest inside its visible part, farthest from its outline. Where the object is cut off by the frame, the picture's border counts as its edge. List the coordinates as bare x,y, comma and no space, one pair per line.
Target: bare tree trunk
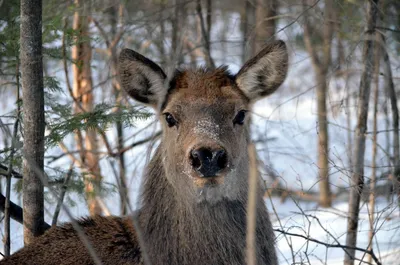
123,190
177,21
249,21
251,258
206,31
348,120
34,123
82,89
389,87
325,198
374,153
266,22
357,179
321,65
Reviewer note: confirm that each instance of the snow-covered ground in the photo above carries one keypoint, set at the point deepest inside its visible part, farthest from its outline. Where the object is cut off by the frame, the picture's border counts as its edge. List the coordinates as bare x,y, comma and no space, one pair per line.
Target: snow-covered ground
329,226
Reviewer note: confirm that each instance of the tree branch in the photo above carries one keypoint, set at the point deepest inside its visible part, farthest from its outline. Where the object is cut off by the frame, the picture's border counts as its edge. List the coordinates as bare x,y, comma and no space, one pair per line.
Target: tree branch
370,252
4,169
16,211
132,145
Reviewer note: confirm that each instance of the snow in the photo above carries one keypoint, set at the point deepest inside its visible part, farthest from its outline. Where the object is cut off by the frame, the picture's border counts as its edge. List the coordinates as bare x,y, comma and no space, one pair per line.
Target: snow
329,226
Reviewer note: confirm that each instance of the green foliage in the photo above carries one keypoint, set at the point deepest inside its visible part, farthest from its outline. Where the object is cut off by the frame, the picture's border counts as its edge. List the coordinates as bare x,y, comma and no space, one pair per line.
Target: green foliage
52,84
62,121
9,35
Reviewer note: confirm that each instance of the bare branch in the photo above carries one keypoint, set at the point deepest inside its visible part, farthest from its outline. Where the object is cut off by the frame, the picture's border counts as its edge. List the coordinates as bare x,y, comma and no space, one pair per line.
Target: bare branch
370,252
60,200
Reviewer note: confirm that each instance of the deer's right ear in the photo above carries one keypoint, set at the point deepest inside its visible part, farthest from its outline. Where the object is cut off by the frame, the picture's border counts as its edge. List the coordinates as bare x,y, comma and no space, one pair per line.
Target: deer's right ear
141,78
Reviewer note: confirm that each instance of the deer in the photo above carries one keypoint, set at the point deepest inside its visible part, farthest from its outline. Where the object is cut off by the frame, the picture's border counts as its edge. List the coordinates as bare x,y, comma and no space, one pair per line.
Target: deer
195,187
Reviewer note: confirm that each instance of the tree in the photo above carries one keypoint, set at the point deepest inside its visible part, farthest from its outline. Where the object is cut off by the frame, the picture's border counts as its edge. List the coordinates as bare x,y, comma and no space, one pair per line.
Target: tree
357,178
33,115
248,23
206,31
83,97
321,65
266,22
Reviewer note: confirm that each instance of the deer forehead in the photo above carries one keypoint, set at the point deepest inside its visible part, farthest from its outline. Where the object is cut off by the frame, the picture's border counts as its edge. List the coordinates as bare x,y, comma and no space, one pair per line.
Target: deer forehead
198,91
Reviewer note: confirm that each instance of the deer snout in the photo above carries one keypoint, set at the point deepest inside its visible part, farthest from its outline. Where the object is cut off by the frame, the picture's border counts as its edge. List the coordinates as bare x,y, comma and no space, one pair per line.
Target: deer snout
208,162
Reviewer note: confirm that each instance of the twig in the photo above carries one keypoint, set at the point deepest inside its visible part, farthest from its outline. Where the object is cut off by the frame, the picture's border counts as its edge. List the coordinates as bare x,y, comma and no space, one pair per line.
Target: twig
280,224
370,252
140,142
62,195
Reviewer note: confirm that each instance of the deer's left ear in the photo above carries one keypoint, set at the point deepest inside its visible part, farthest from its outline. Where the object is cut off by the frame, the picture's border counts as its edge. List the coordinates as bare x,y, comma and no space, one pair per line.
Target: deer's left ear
264,73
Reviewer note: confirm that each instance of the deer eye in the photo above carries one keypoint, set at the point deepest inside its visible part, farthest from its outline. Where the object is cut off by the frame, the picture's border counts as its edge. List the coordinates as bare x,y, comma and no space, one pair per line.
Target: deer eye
170,119
240,116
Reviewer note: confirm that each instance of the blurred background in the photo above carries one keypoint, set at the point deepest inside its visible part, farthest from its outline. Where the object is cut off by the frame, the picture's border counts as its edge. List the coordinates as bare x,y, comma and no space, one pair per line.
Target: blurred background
308,135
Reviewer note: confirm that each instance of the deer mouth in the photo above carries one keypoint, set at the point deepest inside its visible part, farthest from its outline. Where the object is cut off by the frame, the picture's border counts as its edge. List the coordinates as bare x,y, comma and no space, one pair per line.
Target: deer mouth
214,181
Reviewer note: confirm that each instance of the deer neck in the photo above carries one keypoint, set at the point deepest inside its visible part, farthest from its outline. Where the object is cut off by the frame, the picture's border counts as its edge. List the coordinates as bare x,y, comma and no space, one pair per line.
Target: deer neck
198,233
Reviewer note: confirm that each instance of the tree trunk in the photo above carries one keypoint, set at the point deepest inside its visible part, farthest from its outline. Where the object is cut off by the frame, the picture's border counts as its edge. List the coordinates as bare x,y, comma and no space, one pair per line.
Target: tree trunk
178,28
325,198
82,89
249,21
372,184
123,190
34,123
357,179
321,66
266,22
389,87
205,32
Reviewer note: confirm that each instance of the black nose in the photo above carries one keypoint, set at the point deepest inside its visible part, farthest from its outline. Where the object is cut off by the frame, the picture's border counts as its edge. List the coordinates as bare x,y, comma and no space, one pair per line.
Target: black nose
208,162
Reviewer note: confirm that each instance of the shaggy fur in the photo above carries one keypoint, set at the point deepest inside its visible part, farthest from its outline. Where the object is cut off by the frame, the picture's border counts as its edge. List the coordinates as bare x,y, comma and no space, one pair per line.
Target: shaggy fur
185,219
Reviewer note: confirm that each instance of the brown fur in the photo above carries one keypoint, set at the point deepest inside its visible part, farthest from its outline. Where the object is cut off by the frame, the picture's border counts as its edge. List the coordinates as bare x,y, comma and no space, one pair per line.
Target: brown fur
185,219
113,239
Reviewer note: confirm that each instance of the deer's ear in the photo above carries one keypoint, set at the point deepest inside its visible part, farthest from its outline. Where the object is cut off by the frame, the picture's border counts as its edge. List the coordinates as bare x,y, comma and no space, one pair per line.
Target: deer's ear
141,78
264,73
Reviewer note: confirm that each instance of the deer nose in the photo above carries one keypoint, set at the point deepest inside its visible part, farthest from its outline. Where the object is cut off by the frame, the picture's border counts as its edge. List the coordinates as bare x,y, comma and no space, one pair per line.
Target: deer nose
208,162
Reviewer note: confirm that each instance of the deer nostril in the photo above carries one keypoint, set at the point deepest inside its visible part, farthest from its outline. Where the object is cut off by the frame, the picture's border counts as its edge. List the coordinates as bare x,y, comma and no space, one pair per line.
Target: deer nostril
222,159
195,157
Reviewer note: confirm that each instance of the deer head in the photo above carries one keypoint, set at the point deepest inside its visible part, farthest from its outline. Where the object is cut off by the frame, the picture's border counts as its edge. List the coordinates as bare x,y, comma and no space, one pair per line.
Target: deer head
204,116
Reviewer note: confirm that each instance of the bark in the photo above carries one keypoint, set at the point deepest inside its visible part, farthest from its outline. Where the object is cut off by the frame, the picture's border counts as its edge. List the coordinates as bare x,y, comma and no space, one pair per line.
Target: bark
357,178
123,190
266,22
389,87
374,153
205,32
82,90
249,21
325,199
33,113
321,66
177,21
